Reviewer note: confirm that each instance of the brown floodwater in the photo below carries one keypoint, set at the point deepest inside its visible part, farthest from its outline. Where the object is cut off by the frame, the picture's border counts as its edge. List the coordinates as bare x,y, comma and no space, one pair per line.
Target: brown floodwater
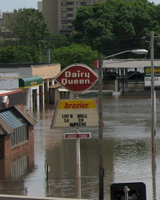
126,153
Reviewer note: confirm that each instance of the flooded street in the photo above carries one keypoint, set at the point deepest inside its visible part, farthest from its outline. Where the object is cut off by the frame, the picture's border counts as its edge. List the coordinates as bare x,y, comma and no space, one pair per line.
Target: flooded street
126,152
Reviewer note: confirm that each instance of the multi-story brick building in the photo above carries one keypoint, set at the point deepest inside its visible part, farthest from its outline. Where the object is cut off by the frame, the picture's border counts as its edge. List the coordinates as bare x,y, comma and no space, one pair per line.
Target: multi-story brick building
59,13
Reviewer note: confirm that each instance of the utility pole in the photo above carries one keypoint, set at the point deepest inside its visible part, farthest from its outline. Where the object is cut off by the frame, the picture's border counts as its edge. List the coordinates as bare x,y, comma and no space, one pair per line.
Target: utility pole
153,99
100,96
153,122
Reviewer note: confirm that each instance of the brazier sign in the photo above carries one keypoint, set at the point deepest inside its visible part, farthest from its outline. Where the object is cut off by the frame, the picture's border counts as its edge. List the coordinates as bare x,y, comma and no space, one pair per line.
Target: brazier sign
77,77
75,113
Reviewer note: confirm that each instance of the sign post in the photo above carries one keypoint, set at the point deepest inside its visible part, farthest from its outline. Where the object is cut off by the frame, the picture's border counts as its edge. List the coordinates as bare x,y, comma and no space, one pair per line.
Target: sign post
79,112
78,163
78,136
100,96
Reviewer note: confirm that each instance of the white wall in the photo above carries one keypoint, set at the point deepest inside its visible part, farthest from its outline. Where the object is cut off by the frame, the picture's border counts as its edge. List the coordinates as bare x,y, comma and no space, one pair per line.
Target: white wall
9,74
25,71
9,84
15,72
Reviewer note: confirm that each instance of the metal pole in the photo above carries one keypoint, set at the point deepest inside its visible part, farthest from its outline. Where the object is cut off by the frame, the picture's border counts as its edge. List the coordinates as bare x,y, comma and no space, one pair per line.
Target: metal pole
78,163
126,190
153,123
78,157
101,170
48,55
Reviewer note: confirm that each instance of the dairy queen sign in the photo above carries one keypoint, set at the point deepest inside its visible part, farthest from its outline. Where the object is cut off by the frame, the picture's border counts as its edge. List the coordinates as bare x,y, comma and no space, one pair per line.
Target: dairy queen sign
77,77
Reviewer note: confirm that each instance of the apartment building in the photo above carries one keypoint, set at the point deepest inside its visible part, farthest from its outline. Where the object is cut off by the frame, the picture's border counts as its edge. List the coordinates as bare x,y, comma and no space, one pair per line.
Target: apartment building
3,18
59,13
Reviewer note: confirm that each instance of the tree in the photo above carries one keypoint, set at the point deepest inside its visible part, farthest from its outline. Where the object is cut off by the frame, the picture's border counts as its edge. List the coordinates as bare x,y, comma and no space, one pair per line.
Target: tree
57,40
28,25
19,54
74,53
117,25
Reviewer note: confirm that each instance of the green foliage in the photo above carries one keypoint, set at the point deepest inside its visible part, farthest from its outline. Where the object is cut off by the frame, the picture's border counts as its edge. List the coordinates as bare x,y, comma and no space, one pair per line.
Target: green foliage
108,27
28,25
19,54
115,26
74,53
56,40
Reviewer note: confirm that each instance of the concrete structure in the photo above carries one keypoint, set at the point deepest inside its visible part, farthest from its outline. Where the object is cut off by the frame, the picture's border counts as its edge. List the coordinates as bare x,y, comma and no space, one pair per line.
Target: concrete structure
125,73
3,19
16,142
58,92
10,98
39,4
129,63
34,79
18,197
59,13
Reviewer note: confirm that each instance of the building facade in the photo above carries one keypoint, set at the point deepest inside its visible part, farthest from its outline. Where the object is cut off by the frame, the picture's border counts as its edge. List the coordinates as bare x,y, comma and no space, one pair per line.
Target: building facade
16,142
3,19
59,13
10,98
37,82
33,79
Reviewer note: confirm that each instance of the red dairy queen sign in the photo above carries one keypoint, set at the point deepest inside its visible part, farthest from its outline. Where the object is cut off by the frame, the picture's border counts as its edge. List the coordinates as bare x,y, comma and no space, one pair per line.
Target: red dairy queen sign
77,77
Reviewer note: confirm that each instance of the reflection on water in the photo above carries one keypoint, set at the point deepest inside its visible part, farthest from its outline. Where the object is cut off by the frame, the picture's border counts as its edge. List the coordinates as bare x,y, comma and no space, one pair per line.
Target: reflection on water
126,152
13,171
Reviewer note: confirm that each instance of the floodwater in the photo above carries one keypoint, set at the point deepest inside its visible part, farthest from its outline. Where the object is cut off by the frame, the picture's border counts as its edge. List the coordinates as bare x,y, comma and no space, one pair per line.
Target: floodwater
126,153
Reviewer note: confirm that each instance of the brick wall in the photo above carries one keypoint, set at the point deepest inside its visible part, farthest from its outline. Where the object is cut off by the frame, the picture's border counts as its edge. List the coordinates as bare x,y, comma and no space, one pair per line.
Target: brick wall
1,146
9,154
25,147
31,148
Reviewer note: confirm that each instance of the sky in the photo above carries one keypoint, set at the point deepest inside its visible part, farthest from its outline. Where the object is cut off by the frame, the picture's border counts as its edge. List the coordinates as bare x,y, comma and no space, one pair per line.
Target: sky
10,5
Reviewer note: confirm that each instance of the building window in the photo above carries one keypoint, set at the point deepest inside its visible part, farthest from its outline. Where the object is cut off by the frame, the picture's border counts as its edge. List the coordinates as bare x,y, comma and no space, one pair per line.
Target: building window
70,9
64,95
67,28
70,3
77,3
66,21
64,9
19,126
83,3
64,15
88,3
71,15
19,136
19,167
63,3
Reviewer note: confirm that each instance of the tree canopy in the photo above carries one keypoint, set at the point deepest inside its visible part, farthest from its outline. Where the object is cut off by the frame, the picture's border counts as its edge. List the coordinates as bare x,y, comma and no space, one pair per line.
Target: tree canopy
117,25
28,25
19,54
109,27
74,53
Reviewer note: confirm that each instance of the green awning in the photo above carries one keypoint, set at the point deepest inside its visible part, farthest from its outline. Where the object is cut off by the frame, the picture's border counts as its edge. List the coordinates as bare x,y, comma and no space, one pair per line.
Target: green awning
30,82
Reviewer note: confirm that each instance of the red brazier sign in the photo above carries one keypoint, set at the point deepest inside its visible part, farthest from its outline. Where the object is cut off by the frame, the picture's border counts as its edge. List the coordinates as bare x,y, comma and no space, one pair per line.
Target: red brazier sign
77,77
